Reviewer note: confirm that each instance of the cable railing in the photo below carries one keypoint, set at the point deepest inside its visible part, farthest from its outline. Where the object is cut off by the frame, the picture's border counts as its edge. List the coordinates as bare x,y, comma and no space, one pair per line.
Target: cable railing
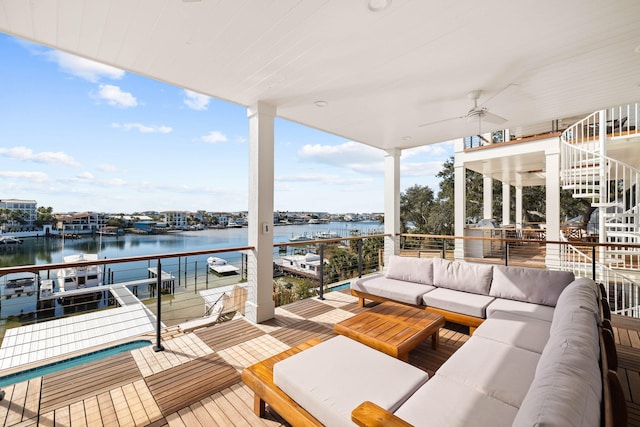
171,293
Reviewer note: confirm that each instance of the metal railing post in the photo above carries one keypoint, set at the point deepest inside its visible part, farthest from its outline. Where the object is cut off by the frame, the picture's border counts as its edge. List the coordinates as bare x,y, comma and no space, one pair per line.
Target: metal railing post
506,254
321,272
158,346
444,249
359,246
593,263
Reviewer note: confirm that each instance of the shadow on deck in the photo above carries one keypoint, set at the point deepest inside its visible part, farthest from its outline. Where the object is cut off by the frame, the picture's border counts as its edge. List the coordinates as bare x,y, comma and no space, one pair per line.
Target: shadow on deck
196,380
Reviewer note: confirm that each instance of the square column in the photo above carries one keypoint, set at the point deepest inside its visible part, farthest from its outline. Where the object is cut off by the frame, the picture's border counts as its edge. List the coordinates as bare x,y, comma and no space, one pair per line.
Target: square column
552,164
391,203
260,305
506,203
487,197
460,199
518,207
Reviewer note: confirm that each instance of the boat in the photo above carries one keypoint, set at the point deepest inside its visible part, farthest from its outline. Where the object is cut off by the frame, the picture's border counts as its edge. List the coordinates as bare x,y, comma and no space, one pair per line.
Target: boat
301,238
307,264
221,266
19,286
8,240
86,276
327,235
233,224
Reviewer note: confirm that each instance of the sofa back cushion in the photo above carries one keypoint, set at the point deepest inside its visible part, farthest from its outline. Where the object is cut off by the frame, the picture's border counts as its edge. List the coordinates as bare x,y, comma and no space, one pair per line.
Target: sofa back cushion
462,276
534,285
418,270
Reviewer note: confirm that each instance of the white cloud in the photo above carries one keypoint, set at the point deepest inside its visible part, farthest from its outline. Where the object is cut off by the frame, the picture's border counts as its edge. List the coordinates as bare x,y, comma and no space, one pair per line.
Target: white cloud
83,68
85,176
196,101
214,137
29,176
104,167
116,97
355,156
117,182
421,168
443,148
142,128
49,157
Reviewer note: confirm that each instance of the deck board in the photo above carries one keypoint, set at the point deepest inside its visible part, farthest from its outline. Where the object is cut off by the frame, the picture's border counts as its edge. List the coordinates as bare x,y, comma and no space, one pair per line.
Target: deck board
190,382
198,381
62,387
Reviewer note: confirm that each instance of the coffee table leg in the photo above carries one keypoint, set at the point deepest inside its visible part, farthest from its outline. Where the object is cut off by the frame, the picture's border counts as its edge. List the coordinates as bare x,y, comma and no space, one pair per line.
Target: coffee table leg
435,340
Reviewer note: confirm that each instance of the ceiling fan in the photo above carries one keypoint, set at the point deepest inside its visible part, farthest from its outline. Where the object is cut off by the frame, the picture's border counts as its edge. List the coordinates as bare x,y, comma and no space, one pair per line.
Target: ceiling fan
477,112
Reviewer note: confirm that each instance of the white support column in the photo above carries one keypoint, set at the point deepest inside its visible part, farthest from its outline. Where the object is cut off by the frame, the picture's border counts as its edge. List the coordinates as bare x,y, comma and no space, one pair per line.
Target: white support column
518,218
602,210
552,160
391,203
260,305
460,206
487,197
506,203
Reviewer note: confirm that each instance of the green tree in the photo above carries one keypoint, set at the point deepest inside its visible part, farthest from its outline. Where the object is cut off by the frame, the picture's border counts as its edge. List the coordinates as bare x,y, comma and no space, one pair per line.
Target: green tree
45,216
415,204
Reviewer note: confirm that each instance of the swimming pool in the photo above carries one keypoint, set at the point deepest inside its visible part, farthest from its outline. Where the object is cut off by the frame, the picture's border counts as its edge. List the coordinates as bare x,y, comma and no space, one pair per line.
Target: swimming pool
71,362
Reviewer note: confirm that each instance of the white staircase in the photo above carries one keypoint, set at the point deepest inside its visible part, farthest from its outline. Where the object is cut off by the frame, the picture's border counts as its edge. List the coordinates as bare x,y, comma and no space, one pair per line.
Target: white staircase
594,165
612,185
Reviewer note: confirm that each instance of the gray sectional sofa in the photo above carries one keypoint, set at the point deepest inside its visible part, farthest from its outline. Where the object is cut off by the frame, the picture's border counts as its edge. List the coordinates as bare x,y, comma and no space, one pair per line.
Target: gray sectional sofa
462,292
535,359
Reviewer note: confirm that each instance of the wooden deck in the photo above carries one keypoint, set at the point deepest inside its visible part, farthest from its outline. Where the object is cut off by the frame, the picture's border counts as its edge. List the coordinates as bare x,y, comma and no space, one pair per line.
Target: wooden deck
196,380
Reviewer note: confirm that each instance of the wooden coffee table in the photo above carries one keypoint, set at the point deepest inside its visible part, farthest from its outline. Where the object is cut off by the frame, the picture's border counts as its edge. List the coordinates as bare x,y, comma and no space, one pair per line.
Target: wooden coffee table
394,329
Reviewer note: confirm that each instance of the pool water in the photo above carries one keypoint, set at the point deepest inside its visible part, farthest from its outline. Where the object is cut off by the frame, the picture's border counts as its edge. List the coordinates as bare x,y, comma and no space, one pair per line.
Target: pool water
71,362
340,287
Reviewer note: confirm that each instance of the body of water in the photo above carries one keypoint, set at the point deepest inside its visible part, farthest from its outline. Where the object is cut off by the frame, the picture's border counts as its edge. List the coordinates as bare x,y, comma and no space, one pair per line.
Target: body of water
37,251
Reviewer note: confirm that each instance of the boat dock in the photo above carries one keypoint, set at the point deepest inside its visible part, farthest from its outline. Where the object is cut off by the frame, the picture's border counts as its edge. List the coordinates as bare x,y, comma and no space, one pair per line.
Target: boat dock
32,344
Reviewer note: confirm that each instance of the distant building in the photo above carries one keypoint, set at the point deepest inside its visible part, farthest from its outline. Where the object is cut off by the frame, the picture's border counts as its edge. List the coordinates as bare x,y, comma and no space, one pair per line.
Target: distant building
81,223
175,219
28,207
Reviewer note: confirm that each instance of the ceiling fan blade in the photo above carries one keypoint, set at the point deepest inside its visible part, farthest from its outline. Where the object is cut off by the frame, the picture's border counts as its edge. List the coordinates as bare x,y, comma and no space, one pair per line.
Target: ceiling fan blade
497,93
442,121
493,118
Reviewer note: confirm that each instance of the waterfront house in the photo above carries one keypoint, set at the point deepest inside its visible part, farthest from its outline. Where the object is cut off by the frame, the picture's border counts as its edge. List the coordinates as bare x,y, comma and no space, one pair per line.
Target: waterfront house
393,75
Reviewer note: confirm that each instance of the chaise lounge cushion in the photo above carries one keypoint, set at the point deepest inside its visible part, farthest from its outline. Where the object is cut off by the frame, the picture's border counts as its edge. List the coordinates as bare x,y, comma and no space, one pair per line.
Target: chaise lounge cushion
393,289
332,378
418,270
534,285
457,301
462,276
519,331
443,402
501,371
527,309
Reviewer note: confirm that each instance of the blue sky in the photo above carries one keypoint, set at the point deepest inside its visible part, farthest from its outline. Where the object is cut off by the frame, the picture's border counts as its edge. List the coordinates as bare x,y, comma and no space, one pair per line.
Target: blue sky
80,136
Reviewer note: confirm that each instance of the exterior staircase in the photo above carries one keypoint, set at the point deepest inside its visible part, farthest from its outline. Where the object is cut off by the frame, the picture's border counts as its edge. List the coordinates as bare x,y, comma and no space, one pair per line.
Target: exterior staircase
598,162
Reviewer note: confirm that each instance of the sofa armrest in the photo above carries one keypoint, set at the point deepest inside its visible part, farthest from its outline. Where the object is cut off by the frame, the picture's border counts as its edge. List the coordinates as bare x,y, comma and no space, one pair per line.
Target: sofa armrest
368,414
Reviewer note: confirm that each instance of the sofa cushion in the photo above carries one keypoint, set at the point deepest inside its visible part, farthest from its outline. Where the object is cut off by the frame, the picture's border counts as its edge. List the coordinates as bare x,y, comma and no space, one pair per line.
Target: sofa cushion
567,388
396,290
535,285
535,311
457,301
330,379
501,371
462,276
581,293
443,402
519,331
418,270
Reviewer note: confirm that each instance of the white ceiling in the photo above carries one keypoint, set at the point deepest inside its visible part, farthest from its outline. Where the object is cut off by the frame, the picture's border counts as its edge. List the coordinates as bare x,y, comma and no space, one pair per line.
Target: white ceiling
382,74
